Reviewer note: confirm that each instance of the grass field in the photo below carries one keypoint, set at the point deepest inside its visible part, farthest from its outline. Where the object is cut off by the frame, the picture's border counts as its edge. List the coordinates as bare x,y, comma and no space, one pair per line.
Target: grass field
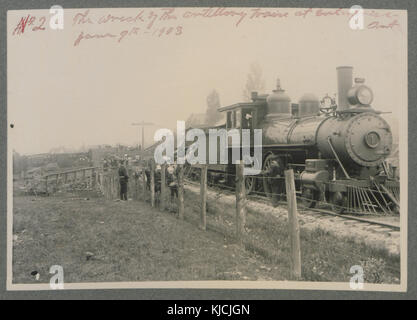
97,240
325,256
129,242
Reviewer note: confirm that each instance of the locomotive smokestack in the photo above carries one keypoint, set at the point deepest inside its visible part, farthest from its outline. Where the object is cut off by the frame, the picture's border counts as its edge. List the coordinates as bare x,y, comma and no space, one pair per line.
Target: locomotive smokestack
344,83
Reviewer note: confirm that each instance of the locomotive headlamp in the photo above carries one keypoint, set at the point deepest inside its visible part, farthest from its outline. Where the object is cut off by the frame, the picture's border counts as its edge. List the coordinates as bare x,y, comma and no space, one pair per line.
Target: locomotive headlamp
364,95
360,93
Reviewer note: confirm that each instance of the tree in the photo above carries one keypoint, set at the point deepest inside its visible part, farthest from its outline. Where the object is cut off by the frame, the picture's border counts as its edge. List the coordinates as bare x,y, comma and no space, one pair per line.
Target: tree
213,103
254,81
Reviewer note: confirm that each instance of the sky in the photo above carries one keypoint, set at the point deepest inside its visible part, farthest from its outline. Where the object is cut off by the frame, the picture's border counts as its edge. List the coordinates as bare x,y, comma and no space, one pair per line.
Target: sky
64,93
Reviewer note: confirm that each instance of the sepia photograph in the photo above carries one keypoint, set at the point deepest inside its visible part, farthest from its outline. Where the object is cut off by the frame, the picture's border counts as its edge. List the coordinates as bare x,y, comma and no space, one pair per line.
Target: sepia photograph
218,147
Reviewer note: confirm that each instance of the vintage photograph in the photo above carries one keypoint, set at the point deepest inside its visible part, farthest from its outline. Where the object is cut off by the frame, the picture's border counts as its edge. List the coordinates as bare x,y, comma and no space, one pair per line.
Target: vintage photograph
195,147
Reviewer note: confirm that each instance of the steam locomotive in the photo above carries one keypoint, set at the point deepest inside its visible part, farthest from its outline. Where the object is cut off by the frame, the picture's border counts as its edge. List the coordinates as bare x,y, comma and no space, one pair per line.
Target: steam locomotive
337,151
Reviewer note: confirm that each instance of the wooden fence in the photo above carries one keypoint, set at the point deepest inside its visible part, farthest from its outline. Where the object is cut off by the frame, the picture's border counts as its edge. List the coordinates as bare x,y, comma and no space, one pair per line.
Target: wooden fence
109,184
138,189
52,181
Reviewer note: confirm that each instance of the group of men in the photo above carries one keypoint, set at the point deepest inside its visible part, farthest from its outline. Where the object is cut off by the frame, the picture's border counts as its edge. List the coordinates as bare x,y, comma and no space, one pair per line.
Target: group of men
170,174
110,163
170,178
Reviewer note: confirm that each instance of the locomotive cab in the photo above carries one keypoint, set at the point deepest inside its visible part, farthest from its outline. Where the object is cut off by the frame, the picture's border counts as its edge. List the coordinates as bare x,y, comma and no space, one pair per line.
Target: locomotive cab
245,115
241,118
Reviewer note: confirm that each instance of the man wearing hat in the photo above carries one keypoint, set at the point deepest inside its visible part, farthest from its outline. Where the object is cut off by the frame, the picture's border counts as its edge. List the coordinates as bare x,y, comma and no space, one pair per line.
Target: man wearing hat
123,178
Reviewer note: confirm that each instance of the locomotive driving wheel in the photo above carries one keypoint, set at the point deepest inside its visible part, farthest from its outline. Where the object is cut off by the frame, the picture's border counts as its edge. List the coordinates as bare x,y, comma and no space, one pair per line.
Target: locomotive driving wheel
251,180
249,184
308,198
273,182
337,202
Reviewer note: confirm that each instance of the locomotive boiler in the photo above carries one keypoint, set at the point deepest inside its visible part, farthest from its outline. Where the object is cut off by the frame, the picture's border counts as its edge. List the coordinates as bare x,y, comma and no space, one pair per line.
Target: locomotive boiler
337,151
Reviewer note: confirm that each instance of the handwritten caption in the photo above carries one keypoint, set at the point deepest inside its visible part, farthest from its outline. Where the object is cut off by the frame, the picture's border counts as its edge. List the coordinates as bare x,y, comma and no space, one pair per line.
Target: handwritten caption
168,22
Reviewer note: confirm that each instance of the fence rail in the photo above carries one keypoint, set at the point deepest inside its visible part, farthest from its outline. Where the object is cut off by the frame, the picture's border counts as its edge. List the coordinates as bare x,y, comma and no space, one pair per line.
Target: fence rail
50,182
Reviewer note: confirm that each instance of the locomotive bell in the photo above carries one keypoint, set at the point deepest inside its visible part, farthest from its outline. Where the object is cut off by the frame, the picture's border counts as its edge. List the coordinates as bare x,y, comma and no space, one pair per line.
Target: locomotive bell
279,103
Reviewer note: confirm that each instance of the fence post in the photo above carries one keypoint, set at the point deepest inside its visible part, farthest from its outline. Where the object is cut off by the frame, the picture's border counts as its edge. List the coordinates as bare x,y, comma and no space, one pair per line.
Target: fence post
93,178
101,183
240,202
152,184
112,185
110,178
294,229
107,185
163,186
137,185
46,184
133,184
181,191
90,179
144,183
203,196
116,185
65,177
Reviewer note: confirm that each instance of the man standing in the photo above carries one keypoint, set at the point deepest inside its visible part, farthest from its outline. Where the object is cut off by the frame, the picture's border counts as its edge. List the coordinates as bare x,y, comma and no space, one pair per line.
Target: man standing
123,178
172,173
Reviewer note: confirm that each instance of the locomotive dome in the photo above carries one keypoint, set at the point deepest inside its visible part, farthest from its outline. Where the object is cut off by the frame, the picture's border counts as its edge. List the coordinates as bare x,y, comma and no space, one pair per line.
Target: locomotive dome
279,103
309,104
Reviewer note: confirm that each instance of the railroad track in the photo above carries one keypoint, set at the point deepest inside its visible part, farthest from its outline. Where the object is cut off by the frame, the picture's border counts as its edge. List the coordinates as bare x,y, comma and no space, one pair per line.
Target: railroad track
362,220
327,212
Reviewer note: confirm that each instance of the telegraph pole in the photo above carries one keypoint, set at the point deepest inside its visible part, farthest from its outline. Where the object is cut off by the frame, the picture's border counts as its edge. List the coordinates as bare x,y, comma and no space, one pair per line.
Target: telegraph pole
142,124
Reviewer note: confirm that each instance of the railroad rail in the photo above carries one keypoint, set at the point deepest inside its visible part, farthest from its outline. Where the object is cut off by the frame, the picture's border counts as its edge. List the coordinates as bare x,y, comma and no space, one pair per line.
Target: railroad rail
322,211
349,217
